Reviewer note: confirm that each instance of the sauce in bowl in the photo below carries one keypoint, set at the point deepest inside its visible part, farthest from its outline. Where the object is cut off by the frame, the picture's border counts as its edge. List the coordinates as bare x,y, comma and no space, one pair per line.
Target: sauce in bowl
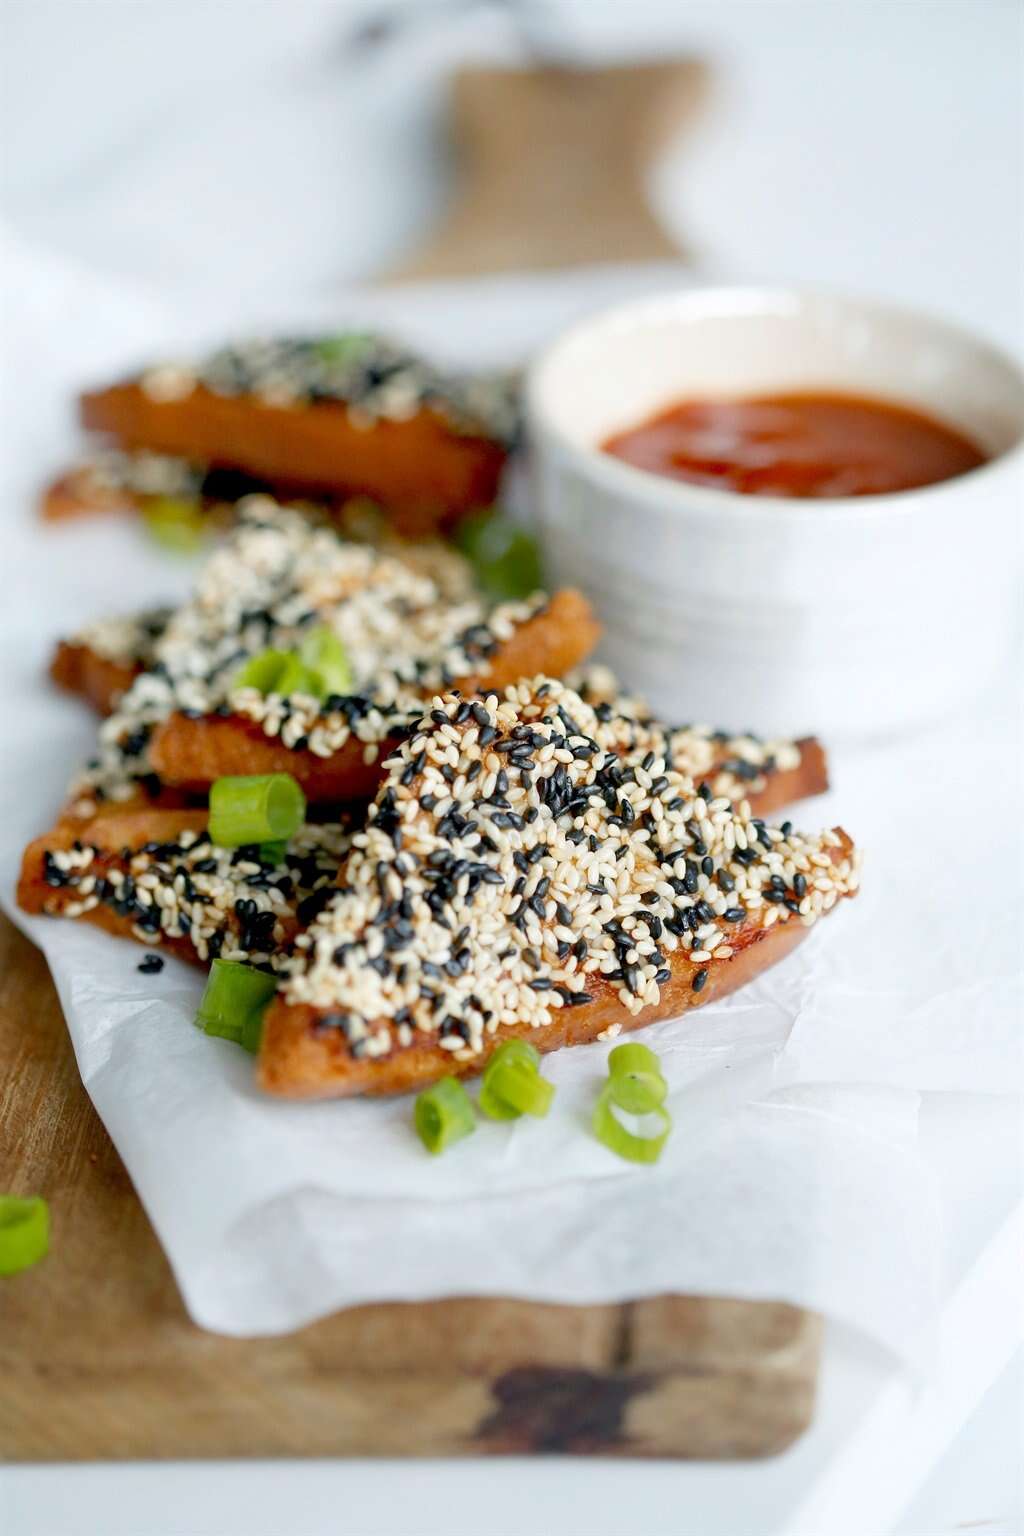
802,445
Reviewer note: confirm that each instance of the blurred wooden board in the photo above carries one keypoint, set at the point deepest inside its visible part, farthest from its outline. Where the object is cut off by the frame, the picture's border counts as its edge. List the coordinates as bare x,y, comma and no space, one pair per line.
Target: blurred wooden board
552,166
98,1359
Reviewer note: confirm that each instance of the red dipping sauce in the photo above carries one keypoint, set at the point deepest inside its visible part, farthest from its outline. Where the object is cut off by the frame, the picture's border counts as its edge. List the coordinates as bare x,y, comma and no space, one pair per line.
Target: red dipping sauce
814,445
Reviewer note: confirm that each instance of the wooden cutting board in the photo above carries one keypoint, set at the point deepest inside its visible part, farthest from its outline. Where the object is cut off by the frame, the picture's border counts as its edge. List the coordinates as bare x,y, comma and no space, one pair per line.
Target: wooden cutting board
98,1359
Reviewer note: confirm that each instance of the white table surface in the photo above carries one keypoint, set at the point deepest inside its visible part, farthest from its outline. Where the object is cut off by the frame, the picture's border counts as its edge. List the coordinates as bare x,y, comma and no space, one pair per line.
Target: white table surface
871,146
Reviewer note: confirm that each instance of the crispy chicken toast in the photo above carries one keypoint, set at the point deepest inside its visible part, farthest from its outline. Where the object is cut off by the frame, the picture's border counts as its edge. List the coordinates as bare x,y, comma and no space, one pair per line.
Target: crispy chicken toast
153,875
516,879
336,416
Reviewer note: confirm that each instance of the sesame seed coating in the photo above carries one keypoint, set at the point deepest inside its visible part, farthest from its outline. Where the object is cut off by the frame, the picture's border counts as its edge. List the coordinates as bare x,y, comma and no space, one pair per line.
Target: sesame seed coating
734,766
128,638
373,377
274,576
229,903
487,896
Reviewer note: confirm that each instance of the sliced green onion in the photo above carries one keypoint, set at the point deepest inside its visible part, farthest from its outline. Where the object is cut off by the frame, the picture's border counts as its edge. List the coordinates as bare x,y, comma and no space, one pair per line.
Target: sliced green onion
232,1004
610,1131
512,1084
256,808
252,1030
443,1115
632,1057
520,1088
344,348
515,1050
637,1084
296,677
262,672
325,656
506,558
24,1232
493,1107
177,525
273,853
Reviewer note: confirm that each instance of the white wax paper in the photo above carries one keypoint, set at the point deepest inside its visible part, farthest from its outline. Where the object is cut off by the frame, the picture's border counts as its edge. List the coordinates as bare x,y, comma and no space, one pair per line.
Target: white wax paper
792,1171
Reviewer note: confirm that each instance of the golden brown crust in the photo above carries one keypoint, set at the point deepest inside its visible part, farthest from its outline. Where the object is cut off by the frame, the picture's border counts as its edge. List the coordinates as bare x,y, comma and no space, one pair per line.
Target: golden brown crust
553,642
425,474
785,786
70,496
99,680
298,1061
193,753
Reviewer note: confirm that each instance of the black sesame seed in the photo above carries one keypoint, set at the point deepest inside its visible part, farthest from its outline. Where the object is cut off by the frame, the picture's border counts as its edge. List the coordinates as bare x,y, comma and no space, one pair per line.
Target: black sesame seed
699,979
150,964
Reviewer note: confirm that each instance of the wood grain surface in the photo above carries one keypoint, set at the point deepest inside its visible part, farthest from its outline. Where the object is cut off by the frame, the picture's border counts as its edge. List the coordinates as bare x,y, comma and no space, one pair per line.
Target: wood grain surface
98,1359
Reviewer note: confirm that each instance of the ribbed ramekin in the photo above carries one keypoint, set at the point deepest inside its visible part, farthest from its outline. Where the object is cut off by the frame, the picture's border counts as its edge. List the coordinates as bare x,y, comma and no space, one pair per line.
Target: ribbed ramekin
853,617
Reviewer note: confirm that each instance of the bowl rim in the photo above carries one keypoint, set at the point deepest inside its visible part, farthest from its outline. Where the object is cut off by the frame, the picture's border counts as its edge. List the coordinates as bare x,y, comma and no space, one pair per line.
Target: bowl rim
732,298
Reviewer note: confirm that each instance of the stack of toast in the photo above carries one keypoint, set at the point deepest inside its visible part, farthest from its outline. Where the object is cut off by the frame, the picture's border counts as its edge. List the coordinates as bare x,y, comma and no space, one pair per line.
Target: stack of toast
499,842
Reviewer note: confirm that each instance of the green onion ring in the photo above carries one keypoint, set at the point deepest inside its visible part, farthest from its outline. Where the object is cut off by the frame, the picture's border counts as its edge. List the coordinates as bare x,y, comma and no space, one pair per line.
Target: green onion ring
257,808
631,1056
443,1114
325,656
24,1232
296,677
520,1087
273,853
635,1080
232,1004
176,524
612,1134
262,672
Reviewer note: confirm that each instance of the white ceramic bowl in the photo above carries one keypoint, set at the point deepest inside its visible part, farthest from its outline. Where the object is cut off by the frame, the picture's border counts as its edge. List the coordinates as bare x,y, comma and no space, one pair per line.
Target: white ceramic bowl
852,617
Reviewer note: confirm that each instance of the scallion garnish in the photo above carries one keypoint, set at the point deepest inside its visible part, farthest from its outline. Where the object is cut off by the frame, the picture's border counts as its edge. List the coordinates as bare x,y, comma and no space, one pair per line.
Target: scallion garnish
262,672
257,808
325,656
512,1084
232,1004
636,1072
611,1132
318,668
296,677
24,1232
339,351
505,557
273,853
252,1030
177,525
443,1115
636,1086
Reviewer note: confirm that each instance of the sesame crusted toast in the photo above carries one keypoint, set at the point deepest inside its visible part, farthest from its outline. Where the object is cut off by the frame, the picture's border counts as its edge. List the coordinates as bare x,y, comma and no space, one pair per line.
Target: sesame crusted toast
271,579
515,878
101,662
350,415
155,876
120,480
320,747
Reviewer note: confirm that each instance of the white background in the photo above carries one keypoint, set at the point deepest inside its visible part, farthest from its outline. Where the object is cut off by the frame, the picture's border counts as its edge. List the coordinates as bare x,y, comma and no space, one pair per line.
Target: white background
876,146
